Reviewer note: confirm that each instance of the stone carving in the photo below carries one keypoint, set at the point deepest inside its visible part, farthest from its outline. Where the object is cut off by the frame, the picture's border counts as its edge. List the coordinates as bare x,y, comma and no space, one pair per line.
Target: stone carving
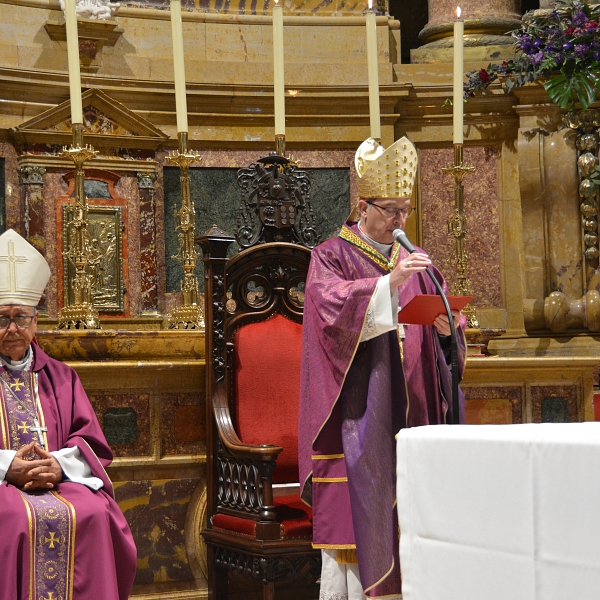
94,9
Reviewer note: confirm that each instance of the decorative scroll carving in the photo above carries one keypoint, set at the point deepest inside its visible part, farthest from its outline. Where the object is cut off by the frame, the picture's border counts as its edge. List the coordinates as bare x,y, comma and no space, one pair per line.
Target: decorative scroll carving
104,248
31,175
240,486
303,570
275,204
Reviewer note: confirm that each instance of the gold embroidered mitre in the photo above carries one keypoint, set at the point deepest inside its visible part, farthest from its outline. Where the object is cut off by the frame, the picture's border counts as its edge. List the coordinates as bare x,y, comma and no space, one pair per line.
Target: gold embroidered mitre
386,173
24,272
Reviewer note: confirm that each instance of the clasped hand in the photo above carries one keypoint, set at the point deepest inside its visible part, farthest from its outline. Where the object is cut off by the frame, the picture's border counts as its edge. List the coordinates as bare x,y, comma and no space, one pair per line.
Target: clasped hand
41,473
413,263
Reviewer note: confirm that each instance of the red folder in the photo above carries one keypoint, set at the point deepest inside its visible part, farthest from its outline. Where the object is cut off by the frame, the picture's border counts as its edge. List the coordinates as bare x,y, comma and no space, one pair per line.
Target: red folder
424,308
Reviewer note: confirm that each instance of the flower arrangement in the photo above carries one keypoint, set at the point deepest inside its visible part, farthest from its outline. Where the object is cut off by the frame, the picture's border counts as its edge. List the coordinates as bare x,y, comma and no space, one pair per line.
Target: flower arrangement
561,46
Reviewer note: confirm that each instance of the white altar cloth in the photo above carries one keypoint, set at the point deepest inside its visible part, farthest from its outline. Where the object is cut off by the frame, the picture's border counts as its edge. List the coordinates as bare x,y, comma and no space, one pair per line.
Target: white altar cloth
500,512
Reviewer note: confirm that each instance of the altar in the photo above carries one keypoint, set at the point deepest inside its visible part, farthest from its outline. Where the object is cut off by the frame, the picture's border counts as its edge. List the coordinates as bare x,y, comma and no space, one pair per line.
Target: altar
499,512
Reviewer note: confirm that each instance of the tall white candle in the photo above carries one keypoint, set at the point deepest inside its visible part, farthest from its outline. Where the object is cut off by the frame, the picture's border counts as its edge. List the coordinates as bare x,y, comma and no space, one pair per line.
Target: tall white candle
278,83
73,59
373,75
459,70
178,65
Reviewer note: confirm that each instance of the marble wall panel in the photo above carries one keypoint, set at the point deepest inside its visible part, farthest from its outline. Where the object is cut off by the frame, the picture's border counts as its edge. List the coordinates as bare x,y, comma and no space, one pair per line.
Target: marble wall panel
127,187
544,411
489,405
11,188
481,209
217,197
106,402
183,423
156,512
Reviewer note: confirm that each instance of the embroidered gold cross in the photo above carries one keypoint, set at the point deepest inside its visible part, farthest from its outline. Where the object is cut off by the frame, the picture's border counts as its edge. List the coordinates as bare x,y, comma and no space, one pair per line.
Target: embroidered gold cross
17,385
52,540
50,596
23,427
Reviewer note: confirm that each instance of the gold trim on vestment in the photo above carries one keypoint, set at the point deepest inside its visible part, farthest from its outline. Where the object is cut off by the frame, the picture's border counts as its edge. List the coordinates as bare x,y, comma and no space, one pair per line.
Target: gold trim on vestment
32,537
6,443
334,546
38,408
71,558
330,479
380,580
379,259
327,456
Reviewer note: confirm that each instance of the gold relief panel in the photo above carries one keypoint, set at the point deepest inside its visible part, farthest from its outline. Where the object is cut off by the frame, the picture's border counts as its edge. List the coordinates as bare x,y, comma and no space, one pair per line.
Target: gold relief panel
105,263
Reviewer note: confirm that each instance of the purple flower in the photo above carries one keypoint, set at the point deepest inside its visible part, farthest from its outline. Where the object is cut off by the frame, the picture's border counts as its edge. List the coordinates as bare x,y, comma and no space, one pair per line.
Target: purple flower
579,18
581,50
559,59
536,59
596,55
567,46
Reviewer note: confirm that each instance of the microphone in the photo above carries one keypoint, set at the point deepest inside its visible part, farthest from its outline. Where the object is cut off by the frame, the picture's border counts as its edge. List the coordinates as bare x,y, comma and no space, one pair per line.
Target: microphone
400,237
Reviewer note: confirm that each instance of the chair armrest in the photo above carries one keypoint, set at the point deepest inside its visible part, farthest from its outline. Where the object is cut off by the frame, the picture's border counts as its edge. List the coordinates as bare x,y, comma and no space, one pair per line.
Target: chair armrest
229,437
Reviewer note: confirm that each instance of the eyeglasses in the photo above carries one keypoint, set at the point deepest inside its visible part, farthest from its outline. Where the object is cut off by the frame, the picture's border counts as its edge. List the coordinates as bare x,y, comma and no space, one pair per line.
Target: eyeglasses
22,322
393,212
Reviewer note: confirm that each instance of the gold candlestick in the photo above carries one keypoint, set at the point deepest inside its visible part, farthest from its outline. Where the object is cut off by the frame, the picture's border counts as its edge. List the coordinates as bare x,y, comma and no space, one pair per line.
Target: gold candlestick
457,228
189,315
82,313
280,144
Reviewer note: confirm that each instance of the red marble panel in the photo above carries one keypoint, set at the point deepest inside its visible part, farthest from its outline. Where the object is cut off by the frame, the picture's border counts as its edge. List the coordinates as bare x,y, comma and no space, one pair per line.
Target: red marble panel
14,209
479,412
540,392
183,423
481,200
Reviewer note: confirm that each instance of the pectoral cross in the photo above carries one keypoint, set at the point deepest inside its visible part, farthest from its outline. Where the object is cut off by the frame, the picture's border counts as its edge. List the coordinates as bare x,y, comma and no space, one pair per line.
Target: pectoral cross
38,429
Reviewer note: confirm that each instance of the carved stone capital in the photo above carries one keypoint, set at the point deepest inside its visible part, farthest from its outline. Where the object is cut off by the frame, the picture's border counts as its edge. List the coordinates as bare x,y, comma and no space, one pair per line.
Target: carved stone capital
31,175
147,181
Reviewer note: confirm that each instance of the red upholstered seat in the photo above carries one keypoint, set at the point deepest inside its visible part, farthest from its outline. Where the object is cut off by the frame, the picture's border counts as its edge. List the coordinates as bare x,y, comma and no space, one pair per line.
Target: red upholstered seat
294,516
267,389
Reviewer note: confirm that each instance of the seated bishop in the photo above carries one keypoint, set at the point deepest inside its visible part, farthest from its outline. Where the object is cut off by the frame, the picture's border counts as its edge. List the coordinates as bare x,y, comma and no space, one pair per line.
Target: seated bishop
63,535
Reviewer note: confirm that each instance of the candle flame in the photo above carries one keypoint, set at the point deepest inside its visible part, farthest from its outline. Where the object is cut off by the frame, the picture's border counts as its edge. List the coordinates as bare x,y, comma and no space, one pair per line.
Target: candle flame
370,4
277,2
458,11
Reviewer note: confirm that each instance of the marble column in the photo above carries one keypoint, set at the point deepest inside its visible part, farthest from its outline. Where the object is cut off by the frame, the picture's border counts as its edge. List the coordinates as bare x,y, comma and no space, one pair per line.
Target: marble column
487,23
31,180
148,263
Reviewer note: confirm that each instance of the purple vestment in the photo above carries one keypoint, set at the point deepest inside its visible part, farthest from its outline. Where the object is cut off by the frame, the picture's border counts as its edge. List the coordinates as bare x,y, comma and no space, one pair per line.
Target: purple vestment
71,542
355,396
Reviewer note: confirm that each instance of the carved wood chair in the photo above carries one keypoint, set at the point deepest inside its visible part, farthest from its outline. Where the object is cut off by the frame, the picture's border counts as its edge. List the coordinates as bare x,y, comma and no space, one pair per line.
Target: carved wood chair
253,313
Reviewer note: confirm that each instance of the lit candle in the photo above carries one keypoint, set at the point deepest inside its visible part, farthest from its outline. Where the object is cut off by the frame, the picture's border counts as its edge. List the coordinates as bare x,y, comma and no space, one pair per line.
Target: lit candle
180,98
373,75
73,58
278,85
459,69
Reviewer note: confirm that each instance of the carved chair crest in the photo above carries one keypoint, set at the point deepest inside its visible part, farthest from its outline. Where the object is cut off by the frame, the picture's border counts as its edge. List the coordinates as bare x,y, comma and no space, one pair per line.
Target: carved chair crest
275,204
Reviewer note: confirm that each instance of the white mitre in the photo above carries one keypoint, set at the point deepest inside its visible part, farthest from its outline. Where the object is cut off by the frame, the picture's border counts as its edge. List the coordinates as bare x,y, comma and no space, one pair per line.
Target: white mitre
24,272
386,173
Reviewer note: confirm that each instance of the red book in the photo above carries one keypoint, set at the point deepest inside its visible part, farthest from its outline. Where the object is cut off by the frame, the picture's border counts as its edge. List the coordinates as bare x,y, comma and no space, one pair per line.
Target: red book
424,308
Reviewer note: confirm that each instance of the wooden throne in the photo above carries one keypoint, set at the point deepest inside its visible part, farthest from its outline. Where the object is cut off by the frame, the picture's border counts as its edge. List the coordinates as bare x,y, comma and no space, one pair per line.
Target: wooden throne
258,528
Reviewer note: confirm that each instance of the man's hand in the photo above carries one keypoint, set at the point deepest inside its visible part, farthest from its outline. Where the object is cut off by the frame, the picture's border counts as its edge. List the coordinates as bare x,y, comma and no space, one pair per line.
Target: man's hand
442,324
42,473
413,263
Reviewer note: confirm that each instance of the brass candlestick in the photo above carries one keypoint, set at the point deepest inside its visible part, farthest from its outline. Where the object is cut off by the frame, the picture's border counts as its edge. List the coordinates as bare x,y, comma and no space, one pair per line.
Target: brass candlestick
280,144
457,228
189,315
81,314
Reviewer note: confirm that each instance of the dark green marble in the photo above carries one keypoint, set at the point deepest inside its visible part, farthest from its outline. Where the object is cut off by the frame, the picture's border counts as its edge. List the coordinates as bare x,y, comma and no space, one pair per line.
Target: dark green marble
94,189
555,410
120,426
217,197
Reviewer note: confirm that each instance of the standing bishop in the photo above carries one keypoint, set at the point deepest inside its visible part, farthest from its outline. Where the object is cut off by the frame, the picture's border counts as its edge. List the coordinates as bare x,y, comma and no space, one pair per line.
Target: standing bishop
63,535
365,376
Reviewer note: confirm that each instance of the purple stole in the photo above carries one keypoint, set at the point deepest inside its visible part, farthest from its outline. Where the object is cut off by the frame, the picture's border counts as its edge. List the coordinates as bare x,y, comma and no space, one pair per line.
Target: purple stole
51,517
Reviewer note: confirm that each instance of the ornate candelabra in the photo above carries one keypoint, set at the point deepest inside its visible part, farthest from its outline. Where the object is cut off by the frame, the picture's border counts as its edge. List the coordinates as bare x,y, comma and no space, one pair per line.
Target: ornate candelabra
189,315
81,314
457,228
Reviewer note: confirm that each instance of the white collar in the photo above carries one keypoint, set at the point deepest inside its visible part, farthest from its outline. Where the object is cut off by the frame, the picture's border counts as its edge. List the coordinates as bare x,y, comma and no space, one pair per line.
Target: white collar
18,365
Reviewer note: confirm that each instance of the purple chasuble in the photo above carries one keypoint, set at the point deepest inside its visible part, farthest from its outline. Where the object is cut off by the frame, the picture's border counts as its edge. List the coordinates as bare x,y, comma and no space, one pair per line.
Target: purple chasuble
69,543
355,396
